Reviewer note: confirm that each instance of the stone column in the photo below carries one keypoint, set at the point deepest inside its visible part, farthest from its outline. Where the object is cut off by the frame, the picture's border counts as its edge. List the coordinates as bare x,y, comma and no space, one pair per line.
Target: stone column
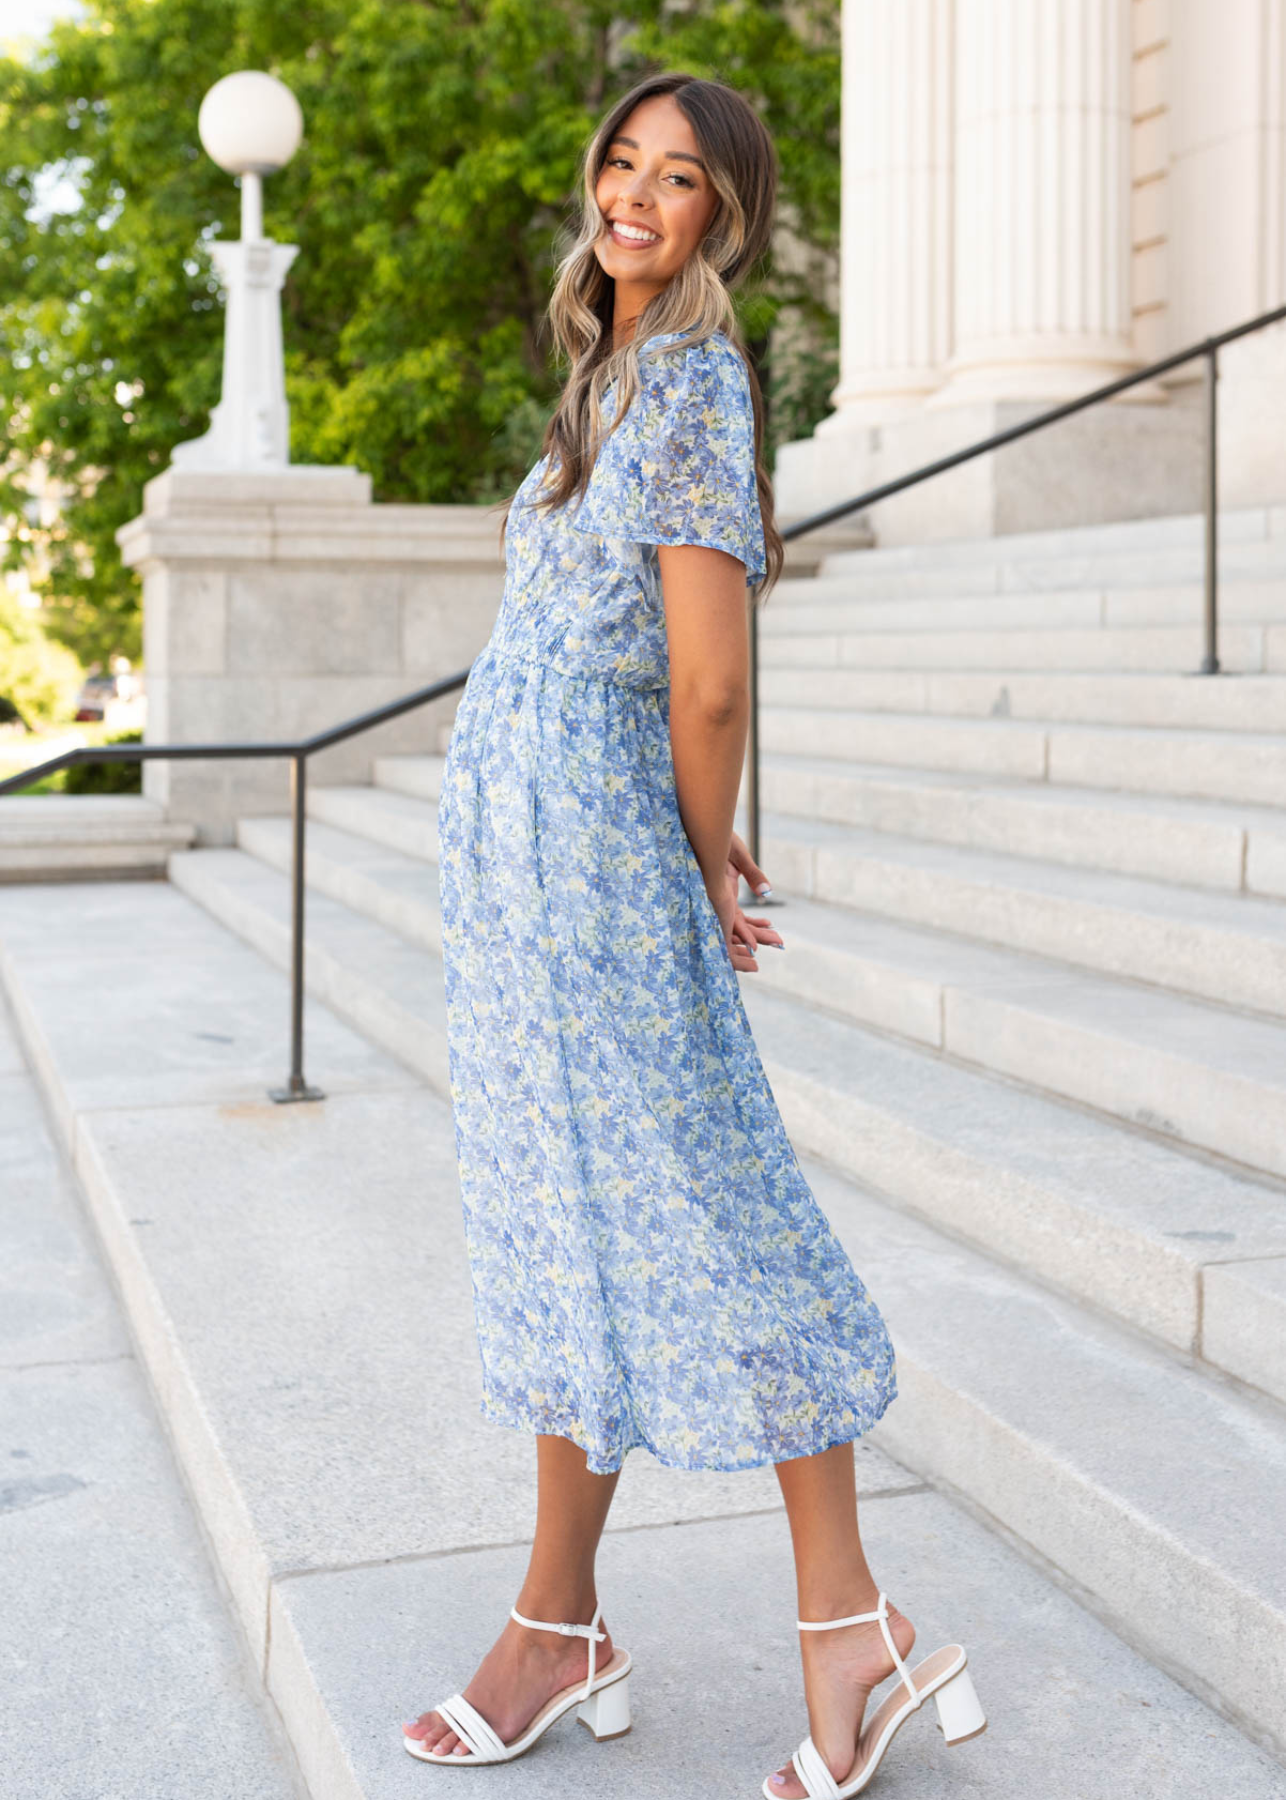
1042,184
895,220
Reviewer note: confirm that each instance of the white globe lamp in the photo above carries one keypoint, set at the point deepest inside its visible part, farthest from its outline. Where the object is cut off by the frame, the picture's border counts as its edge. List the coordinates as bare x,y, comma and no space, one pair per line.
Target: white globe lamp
251,125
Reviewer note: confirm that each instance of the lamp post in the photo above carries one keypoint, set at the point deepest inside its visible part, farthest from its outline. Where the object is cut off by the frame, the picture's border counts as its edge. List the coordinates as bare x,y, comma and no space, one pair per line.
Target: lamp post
251,125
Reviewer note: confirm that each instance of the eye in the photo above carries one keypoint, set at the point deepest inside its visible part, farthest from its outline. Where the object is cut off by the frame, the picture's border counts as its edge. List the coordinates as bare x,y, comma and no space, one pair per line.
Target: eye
612,162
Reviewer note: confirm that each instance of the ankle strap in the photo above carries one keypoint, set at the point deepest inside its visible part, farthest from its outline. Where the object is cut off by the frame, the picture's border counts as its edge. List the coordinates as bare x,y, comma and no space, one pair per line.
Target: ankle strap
882,1614
589,1631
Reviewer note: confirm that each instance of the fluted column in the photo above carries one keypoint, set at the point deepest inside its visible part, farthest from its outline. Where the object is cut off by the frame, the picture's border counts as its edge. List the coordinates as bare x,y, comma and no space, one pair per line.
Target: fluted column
895,218
1042,231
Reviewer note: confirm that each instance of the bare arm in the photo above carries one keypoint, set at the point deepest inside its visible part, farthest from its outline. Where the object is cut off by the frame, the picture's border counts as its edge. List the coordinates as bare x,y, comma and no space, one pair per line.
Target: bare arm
709,642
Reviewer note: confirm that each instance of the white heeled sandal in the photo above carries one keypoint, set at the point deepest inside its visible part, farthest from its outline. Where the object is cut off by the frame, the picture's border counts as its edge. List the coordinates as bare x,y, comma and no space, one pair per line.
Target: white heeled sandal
604,1705
943,1675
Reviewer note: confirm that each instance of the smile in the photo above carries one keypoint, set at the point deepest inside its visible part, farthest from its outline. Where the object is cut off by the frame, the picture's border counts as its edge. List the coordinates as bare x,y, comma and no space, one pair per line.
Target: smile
633,237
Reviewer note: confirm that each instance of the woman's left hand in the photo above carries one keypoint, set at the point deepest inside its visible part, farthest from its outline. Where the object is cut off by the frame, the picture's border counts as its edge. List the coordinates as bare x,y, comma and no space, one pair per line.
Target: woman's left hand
748,932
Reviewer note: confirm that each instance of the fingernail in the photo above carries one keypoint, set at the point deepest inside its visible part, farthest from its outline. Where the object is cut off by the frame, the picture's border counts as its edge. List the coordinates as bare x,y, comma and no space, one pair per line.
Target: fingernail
761,891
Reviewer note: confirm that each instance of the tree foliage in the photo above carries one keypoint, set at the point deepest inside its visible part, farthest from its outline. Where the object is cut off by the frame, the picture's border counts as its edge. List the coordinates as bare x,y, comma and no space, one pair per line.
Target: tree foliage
39,680
440,153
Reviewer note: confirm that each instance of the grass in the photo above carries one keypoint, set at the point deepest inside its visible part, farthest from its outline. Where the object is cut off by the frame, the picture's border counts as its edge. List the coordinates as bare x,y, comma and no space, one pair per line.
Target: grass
25,752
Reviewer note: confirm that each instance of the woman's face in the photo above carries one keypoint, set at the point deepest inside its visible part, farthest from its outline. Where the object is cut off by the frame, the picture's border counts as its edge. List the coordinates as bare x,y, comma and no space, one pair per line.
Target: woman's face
654,185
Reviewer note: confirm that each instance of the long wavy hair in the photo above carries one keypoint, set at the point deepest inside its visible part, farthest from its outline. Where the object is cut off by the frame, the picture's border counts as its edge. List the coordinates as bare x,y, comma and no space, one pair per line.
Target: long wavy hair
741,160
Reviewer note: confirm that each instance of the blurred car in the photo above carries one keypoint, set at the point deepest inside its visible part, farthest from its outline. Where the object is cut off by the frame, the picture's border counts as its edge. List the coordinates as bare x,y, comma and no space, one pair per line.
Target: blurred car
91,702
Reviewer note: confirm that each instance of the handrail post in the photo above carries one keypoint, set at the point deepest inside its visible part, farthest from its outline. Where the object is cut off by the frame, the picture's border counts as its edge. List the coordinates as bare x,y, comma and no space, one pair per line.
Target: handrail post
296,1087
1210,408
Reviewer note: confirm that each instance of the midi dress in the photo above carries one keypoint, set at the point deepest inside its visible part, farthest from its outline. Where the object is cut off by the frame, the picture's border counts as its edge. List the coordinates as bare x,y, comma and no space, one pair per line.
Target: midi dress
649,1265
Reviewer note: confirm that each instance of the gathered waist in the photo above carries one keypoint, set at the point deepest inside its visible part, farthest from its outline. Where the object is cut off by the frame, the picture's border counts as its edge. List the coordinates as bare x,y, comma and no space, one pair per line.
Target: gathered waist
613,671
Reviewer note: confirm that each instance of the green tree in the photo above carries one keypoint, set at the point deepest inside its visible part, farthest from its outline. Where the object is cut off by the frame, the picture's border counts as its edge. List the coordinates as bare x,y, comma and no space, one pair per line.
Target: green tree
39,680
439,157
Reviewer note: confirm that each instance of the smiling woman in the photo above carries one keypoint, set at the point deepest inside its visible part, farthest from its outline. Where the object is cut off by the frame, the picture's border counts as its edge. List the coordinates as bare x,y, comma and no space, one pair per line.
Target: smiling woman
650,1267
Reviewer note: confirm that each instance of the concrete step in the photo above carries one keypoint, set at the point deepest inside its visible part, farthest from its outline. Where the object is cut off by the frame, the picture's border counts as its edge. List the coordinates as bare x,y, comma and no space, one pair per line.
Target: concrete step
1199,843
108,1589
1197,1072
1245,767
46,837
1228,948
268,1311
1158,648
1196,842
1245,525
1138,1479
1147,554
1156,1535
935,571
1064,1195
1244,703
383,815
418,776
1241,602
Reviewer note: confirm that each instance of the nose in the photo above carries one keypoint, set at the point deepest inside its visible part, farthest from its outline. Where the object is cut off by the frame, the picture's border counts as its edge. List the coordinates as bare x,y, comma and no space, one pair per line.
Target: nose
635,188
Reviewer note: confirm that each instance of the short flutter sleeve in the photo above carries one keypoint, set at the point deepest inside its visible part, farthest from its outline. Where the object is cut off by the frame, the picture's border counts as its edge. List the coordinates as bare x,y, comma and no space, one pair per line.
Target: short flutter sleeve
681,467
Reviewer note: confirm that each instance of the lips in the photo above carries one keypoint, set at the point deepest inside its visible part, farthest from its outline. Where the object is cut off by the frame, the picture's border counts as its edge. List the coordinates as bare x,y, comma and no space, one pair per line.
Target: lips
631,243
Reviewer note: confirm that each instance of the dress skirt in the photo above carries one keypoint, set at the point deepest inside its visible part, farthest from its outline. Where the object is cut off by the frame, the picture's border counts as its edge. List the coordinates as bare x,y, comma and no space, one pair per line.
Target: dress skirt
649,1265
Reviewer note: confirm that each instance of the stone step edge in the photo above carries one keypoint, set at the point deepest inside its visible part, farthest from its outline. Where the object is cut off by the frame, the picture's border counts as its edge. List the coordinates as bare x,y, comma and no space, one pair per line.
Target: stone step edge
1231,964
958,1423
1161,938
1249,843
1122,929
253,1594
963,1012
268,841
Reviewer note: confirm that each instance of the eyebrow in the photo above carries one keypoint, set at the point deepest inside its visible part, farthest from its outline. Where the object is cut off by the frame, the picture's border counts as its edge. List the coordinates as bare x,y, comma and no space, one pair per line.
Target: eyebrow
674,155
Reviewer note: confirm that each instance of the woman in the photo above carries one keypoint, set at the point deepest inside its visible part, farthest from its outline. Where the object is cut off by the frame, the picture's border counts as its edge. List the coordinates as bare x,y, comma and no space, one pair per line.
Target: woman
649,1264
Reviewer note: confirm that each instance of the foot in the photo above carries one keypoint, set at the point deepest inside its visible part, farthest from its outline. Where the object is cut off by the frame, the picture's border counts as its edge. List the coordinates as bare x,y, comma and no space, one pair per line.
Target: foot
840,1669
522,1670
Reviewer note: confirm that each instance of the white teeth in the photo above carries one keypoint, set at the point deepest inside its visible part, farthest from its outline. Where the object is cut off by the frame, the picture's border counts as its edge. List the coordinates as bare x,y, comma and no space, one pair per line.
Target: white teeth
636,231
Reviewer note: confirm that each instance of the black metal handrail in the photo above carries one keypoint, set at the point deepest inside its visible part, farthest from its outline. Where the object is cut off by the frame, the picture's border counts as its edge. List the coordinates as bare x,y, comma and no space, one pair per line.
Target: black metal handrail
1208,348
296,1087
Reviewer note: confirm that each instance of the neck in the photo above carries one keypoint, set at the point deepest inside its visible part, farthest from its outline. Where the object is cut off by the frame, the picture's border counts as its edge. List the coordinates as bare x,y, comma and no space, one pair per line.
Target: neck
628,302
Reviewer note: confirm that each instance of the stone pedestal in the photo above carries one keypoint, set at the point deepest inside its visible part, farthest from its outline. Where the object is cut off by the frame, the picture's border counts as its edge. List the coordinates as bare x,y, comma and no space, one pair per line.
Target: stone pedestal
1113,462
276,605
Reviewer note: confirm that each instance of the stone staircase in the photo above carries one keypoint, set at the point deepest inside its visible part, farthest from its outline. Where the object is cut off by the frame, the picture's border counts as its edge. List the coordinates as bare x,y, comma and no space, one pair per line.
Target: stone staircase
1030,1025
94,837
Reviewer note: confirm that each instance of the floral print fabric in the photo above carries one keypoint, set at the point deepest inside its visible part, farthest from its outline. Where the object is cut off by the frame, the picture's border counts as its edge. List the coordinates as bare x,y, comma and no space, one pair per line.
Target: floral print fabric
649,1265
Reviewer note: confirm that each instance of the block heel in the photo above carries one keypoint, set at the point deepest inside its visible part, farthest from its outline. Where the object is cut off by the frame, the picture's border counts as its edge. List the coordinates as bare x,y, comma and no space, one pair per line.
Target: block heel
607,1712
959,1713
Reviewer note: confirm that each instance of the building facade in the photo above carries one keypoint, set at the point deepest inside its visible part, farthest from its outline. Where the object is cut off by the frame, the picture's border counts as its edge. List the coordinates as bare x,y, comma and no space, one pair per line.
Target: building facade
1039,196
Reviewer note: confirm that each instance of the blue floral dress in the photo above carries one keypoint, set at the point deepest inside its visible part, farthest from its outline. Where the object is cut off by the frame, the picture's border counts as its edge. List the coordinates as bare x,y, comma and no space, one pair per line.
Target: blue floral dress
649,1265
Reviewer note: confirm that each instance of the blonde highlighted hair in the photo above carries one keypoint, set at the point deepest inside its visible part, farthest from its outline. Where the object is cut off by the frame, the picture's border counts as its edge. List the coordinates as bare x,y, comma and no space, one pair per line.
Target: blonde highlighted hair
741,161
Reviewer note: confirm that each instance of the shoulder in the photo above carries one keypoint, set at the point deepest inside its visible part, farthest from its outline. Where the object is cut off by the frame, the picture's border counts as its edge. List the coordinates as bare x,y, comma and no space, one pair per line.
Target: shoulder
711,373
713,356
